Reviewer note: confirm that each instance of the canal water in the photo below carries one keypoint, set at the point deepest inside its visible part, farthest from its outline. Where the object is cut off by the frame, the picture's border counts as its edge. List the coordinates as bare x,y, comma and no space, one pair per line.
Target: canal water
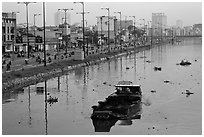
165,109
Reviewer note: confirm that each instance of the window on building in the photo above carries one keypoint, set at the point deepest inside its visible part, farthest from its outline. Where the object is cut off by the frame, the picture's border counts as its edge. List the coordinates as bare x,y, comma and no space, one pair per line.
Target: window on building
3,30
4,38
12,29
8,37
7,29
12,37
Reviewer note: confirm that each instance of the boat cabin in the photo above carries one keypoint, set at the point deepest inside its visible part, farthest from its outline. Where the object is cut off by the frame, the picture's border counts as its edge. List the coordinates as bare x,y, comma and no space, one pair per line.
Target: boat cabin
128,89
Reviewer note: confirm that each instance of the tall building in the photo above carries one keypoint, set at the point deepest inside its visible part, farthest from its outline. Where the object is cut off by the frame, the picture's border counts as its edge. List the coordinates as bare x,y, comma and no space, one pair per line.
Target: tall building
8,31
60,18
102,26
179,23
159,23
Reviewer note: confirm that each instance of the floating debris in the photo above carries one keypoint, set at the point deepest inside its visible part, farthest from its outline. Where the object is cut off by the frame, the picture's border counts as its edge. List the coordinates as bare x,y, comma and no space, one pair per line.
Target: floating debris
184,63
127,68
143,57
52,100
153,91
166,81
157,68
104,83
188,93
148,61
195,60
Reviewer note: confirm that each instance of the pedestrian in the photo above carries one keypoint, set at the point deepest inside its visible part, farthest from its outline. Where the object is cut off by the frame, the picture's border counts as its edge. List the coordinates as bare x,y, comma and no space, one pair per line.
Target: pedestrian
49,59
4,62
8,67
9,62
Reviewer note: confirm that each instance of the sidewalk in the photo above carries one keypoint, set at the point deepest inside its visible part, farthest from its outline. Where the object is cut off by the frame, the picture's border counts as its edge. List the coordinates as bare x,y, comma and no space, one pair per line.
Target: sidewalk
19,62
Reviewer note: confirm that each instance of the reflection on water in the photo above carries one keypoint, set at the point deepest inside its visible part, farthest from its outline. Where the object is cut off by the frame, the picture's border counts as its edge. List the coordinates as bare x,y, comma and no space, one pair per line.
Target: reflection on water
104,125
25,111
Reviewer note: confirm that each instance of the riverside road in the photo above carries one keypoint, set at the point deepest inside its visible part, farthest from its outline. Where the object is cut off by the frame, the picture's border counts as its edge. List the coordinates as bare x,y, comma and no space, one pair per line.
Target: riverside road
165,109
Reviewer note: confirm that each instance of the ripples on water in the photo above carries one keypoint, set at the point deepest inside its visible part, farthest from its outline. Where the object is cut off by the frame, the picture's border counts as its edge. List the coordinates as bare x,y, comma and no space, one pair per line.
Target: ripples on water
164,111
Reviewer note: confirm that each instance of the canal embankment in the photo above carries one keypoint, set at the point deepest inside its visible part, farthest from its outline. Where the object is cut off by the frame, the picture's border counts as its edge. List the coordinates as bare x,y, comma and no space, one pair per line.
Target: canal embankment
23,77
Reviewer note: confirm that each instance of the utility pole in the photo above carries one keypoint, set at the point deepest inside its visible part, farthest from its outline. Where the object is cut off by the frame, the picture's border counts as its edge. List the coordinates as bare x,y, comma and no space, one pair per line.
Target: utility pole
108,9
27,3
44,33
119,12
35,27
83,28
134,30
14,31
65,26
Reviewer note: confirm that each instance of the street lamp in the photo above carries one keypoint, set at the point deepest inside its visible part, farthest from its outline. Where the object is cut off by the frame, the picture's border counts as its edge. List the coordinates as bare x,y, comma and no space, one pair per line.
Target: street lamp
83,12
27,3
65,15
151,31
119,12
108,26
144,29
14,34
83,27
134,29
35,26
44,33
65,24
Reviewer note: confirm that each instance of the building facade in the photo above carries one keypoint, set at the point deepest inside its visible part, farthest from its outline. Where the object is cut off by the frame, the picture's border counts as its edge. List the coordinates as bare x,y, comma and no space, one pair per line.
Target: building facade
59,18
8,31
179,23
159,23
102,26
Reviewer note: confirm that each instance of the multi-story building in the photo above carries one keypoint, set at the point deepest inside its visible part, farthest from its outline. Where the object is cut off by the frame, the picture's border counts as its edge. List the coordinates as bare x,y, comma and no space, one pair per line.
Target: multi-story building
59,18
124,24
197,28
159,23
188,30
179,23
102,26
8,31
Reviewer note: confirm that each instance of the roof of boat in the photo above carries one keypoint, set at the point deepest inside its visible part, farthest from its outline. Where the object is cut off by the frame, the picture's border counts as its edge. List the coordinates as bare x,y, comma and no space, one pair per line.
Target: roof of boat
127,85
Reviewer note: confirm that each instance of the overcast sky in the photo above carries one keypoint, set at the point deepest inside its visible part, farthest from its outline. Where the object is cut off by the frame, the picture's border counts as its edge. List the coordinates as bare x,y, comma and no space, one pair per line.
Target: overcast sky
189,12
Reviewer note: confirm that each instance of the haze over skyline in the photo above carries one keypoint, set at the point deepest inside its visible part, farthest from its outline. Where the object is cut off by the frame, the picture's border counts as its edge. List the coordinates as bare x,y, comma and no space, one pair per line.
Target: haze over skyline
189,12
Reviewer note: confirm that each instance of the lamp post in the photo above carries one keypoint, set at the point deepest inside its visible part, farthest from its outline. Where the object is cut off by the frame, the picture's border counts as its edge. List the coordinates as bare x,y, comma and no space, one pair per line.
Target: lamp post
27,3
134,29
14,34
119,12
151,32
101,18
44,33
108,9
35,26
84,33
65,24
83,26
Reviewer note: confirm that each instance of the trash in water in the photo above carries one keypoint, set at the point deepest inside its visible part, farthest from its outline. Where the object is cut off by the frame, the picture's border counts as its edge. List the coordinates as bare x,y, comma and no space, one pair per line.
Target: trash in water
188,93
153,91
104,83
157,68
127,68
166,81
148,61
52,100
184,63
